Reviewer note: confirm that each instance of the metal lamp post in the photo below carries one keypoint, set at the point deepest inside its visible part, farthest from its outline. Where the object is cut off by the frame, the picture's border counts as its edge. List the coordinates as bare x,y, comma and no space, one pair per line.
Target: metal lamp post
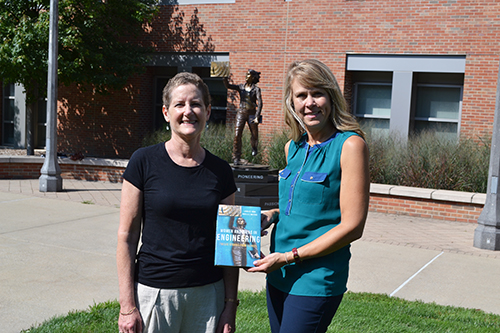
487,233
50,180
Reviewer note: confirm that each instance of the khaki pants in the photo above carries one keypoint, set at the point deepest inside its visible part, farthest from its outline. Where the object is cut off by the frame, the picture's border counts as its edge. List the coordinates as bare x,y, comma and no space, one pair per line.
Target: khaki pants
192,310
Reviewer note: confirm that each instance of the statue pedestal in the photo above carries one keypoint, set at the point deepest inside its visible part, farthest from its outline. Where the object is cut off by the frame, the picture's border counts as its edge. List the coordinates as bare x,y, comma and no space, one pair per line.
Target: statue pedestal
257,186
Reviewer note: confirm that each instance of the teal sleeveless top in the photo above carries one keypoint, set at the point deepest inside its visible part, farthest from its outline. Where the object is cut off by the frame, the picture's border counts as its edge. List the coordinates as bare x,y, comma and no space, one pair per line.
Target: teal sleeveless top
309,190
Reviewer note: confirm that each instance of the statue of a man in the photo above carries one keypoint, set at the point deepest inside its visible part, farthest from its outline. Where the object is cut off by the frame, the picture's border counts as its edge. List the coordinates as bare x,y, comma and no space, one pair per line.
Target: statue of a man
248,112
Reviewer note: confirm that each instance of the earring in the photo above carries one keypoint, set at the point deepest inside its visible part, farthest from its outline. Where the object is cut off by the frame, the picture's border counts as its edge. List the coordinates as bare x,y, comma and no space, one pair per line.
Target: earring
168,127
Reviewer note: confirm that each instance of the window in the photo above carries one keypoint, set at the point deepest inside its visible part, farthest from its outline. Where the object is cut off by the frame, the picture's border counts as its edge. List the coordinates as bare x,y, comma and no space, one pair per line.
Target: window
159,120
438,109
372,107
9,115
164,74
167,66
407,94
41,124
194,2
218,94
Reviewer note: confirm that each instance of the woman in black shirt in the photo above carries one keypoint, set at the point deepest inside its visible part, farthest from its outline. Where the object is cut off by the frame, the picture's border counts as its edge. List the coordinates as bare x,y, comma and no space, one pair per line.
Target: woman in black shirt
171,192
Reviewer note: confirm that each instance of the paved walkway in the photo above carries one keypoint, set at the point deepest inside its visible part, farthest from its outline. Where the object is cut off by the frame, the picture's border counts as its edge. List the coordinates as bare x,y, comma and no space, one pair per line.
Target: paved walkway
58,255
98,193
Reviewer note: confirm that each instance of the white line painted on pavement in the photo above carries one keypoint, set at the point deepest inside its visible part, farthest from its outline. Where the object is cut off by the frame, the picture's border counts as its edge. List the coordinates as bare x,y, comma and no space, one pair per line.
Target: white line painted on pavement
421,269
15,200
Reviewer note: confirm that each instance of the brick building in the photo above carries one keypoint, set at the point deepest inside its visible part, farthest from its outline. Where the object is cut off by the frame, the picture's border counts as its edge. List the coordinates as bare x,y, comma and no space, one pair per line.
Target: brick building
404,66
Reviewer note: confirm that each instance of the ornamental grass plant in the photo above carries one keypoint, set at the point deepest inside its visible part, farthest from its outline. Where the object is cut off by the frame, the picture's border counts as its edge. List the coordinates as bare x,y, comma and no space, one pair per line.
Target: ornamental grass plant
216,138
275,150
424,160
428,161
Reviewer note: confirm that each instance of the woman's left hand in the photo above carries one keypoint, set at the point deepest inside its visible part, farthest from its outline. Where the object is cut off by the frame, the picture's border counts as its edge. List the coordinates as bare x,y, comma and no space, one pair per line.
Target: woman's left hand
269,263
267,218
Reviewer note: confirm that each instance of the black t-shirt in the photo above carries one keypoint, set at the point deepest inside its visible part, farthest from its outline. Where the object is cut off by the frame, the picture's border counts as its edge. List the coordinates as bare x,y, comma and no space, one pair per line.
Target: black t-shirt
179,215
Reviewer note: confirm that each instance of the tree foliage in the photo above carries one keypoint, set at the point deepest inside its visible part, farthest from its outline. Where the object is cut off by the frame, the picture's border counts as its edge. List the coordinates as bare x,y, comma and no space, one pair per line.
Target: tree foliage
98,42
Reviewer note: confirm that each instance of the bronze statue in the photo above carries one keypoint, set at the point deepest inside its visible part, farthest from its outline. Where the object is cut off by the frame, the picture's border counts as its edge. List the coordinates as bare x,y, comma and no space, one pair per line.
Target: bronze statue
248,112
239,248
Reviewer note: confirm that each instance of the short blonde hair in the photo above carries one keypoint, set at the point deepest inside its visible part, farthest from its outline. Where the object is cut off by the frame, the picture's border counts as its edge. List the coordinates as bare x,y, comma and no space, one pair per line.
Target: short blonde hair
313,73
184,78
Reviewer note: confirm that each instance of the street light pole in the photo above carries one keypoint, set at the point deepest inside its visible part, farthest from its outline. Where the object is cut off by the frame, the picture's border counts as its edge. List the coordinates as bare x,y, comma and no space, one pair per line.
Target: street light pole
487,233
50,180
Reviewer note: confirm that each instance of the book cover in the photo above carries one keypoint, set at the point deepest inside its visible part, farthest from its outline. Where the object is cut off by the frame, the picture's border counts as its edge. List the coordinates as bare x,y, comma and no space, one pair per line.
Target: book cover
237,240
251,118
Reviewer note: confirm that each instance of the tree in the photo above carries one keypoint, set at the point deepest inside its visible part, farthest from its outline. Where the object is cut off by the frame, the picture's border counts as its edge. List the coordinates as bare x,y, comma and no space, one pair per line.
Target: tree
99,43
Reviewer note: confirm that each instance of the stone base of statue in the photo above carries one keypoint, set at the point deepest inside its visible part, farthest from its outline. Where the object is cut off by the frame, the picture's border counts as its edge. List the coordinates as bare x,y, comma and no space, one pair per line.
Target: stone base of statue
257,185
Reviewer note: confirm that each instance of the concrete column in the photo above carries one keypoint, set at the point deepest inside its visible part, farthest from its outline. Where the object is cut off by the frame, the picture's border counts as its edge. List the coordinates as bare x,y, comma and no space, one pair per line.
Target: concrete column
50,180
402,82
487,233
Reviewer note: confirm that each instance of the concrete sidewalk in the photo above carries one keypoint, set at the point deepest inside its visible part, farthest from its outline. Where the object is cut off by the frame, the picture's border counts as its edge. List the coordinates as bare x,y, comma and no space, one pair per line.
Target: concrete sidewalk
58,255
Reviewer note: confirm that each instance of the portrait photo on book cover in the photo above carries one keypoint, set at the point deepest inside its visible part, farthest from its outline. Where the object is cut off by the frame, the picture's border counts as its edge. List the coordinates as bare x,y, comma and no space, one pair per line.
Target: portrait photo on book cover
237,240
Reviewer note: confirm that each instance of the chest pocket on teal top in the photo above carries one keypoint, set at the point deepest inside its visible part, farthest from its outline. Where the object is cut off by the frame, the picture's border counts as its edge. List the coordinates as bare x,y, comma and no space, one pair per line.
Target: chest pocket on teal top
283,174
312,187
313,177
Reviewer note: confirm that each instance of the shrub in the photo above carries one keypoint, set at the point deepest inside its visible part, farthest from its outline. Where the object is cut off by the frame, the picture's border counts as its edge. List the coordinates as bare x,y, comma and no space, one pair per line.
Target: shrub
427,161
158,136
217,139
424,160
385,159
275,151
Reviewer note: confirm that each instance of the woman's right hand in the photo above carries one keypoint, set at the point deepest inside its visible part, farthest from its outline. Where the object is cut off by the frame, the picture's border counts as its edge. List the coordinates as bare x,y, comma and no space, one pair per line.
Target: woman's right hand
130,323
269,263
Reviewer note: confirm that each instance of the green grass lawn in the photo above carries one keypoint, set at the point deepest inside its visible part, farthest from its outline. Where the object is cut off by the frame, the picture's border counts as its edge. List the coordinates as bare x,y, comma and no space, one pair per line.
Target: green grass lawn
359,312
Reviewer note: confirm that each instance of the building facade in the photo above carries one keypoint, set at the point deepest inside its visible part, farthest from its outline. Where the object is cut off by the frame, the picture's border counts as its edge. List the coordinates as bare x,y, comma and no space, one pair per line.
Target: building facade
404,66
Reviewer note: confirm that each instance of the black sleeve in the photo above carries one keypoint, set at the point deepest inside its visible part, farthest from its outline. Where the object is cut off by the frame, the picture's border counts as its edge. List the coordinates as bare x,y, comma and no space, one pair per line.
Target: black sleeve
134,173
230,186
224,173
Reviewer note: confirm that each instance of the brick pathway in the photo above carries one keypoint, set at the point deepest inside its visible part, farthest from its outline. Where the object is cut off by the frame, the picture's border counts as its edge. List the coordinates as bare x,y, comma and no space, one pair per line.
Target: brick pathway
402,230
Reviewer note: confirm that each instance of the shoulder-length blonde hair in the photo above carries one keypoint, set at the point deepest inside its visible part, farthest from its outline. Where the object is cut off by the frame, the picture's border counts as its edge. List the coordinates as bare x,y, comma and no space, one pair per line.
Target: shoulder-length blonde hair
313,73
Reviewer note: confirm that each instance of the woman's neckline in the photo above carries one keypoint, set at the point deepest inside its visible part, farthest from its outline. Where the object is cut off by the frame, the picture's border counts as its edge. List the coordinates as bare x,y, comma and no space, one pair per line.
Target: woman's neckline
323,143
182,159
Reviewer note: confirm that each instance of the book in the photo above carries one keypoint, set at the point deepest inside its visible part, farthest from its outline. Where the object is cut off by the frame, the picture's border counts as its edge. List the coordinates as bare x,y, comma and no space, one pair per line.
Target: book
251,118
237,241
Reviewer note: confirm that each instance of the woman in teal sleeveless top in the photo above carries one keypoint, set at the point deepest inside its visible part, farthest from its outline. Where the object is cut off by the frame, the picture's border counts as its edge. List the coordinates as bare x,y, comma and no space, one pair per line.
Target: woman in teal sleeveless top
323,203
